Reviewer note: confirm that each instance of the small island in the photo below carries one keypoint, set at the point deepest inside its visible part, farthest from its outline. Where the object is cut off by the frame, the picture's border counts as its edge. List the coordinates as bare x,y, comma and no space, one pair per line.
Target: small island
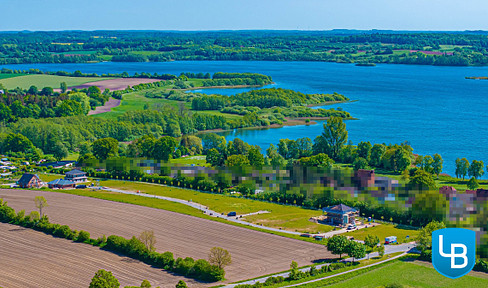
366,64
477,78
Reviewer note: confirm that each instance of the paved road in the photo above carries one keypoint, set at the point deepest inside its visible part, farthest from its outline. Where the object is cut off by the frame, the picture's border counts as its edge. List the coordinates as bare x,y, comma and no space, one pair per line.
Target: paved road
236,219
205,209
389,249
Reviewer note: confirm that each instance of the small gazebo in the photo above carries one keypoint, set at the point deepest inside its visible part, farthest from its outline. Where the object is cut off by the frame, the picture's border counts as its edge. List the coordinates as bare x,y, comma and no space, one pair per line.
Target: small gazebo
341,214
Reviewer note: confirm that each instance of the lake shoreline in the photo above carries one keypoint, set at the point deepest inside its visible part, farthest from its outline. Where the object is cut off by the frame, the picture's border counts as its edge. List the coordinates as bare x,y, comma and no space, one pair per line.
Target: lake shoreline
300,121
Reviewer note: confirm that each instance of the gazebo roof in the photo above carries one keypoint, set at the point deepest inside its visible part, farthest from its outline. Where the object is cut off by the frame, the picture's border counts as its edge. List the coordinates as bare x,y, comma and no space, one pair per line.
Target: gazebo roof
339,209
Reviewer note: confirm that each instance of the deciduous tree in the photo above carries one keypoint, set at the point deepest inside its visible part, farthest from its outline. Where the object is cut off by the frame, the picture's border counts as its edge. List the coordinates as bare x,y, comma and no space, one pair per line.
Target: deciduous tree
220,257
148,239
105,148
41,203
104,279
334,137
337,244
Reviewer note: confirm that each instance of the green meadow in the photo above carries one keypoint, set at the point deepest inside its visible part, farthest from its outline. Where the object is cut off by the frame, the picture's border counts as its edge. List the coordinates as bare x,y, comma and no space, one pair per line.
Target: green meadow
41,81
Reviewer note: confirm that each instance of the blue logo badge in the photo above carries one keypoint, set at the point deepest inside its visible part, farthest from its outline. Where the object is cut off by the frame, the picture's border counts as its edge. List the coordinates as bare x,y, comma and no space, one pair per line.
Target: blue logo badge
453,251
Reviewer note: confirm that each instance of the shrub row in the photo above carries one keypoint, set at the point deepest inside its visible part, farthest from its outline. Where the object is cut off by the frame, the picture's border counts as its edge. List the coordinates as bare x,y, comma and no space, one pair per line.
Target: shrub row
200,269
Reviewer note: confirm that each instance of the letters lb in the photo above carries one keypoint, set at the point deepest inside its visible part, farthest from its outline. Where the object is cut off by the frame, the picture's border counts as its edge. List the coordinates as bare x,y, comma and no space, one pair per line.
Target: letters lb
453,251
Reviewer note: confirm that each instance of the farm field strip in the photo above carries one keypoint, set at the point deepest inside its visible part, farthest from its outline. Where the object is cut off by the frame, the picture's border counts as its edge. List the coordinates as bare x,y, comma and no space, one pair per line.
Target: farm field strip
33,259
254,253
40,81
286,217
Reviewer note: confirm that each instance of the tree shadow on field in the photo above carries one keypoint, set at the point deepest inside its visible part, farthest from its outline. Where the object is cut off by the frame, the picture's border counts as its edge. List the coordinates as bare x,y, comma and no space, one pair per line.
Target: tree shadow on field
325,260
17,229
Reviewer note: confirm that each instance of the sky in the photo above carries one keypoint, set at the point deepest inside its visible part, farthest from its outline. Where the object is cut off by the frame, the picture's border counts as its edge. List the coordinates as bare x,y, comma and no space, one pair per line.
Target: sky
48,15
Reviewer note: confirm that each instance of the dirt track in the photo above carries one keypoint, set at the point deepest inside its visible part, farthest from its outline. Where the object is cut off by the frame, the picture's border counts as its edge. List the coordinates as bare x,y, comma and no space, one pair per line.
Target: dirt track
254,253
33,259
111,103
116,84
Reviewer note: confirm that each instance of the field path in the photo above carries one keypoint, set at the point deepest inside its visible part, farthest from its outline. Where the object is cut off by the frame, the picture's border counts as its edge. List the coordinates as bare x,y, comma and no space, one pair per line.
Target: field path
116,84
253,253
30,258
111,103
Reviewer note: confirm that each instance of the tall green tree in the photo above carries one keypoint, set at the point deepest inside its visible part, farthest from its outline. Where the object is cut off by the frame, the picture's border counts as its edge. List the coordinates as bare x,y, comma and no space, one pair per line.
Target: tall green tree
104,279
334,137
437,164
376,154
424,238
337,244
356,250
371,241
364,150
17,143
105,148
476,169
214,158
462,167
422,180
164,148
256,159
237,161
60,151
5,113
63,86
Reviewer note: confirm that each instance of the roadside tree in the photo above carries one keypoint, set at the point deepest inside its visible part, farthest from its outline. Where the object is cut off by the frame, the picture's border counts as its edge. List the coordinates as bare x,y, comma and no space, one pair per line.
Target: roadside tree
356,250
337,244
371,241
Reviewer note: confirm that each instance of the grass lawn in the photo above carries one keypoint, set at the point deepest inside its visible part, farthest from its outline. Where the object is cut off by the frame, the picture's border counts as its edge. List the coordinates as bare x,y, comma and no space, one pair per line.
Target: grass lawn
6,76
198,160
280,216
405,273
41,81
385,230
132,102
459,184
136,101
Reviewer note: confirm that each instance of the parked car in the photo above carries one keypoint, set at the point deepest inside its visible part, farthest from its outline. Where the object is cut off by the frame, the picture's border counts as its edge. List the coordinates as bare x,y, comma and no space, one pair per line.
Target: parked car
230,214
80,186
390,240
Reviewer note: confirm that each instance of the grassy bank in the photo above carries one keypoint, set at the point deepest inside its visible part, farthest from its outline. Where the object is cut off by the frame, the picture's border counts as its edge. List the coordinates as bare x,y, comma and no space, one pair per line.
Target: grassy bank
408,274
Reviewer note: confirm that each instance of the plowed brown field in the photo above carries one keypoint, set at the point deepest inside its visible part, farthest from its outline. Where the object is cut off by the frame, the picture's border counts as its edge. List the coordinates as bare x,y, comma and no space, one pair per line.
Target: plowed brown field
253,253
33,259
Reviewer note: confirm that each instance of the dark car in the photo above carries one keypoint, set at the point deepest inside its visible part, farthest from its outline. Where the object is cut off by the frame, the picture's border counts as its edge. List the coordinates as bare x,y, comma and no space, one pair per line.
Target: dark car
80,186
230,214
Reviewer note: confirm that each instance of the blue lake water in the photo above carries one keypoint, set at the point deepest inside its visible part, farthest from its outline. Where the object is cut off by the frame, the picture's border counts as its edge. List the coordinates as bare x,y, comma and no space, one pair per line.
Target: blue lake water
434,108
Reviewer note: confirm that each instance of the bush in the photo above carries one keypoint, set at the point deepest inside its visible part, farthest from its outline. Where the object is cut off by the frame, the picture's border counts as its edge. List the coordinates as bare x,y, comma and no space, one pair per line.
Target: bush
63,232
183,266
83,236
337,266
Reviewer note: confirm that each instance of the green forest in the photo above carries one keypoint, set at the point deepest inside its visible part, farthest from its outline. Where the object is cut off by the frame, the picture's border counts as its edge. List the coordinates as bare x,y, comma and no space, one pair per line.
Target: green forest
342,46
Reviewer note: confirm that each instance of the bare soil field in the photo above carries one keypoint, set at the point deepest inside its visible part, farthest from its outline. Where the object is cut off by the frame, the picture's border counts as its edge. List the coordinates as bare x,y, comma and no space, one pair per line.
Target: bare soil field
111,103
33,259
116,84
253,253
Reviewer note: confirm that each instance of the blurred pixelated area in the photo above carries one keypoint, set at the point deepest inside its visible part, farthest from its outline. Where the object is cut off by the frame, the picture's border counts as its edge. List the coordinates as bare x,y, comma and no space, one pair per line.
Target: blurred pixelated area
316,187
